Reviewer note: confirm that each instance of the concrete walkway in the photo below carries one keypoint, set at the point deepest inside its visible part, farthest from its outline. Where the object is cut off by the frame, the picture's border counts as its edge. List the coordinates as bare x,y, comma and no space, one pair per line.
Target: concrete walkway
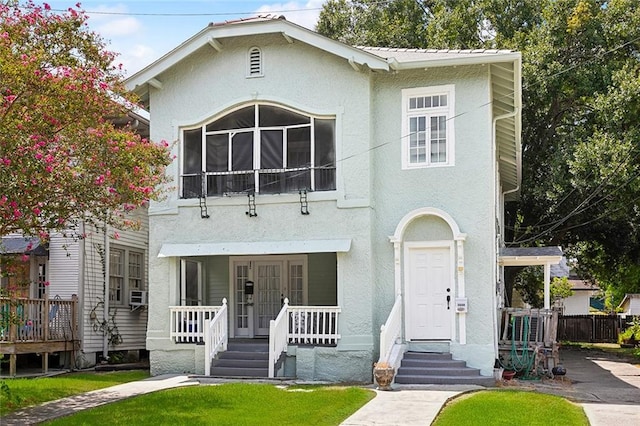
608,388
405,407
66,406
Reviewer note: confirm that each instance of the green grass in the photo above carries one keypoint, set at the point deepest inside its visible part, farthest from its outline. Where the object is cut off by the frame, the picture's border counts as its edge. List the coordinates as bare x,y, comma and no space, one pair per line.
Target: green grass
493,408
230,404
21,393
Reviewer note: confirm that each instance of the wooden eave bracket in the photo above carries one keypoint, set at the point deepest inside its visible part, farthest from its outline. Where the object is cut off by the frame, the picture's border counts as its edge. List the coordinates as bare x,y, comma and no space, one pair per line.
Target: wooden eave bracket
155,83
287,37
215,44
354,64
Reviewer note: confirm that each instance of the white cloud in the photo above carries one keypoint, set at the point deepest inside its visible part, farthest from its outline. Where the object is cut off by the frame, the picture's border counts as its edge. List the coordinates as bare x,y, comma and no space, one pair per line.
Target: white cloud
119,26
304,14
136,57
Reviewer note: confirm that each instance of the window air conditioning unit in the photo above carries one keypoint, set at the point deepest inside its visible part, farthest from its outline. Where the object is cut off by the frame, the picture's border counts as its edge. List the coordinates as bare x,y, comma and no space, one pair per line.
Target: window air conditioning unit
137,298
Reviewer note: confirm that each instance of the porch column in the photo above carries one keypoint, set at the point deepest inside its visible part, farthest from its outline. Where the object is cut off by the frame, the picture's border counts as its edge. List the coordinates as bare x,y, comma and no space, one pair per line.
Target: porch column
397,266
547,286
462,318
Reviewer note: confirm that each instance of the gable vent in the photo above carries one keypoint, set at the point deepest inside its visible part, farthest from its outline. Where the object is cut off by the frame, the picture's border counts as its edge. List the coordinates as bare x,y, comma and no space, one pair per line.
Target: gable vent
255,62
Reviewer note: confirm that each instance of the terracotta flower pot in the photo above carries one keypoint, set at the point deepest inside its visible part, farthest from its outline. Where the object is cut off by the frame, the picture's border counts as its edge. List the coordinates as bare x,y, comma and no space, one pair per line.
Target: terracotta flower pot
508,374
384,377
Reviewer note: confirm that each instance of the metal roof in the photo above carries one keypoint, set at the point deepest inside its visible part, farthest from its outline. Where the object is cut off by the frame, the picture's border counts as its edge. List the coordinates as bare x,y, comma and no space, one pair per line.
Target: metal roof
22,245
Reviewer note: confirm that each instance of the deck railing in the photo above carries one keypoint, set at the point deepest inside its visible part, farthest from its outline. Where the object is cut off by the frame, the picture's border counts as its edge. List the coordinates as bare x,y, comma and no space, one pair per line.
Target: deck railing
313,325
278,337
390,331
37,320
529,327
187,322
216,336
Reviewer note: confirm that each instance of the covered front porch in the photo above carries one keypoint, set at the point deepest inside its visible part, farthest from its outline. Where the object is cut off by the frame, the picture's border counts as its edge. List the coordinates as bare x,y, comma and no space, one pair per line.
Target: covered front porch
276,294
293,326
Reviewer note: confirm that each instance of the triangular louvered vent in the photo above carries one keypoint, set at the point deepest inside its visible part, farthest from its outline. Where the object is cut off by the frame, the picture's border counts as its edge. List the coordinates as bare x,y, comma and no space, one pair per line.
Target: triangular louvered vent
255,62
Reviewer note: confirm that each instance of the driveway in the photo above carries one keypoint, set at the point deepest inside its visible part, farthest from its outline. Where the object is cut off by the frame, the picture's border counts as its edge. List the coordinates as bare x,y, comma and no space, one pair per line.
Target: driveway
607,386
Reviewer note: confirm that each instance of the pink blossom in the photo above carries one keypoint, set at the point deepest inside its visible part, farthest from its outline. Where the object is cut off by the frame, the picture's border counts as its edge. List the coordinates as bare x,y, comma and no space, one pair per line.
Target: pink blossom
25,258
46,283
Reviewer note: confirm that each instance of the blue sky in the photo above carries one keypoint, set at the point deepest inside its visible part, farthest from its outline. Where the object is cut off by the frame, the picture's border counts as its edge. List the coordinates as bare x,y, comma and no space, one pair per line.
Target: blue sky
143,30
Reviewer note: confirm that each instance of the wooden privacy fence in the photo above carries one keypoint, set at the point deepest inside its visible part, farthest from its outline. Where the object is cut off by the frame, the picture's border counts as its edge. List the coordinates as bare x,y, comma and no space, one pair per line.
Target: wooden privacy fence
590,328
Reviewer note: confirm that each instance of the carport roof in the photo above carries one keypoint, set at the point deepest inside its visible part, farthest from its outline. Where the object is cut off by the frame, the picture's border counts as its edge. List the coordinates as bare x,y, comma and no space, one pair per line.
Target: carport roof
525,256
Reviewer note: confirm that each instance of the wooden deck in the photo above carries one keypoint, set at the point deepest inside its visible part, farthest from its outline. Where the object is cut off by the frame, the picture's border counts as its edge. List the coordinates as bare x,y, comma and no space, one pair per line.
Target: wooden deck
39,326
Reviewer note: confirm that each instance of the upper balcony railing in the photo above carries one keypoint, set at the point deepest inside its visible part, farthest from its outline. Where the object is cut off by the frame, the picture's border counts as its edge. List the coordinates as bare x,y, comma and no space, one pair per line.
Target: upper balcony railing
263,181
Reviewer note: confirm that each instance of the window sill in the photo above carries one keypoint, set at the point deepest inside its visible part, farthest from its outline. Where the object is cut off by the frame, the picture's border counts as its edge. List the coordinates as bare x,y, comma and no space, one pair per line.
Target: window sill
241,200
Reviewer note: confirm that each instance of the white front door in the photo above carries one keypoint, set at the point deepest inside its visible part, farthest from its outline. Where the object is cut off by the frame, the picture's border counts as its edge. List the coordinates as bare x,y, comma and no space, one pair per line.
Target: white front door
429,293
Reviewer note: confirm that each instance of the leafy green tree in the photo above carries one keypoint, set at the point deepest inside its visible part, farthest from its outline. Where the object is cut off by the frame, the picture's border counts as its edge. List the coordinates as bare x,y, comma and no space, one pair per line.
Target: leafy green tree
581,103
61,158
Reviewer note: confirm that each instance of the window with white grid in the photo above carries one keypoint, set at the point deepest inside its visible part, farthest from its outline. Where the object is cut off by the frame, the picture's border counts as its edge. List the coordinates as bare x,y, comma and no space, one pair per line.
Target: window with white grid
428,137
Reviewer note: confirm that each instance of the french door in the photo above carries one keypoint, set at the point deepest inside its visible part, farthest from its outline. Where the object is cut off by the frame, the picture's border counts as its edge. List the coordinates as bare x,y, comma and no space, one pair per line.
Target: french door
274,278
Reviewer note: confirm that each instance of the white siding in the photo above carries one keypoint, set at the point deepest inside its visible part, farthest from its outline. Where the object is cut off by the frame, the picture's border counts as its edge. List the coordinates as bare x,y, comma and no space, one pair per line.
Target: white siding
64,267
130,325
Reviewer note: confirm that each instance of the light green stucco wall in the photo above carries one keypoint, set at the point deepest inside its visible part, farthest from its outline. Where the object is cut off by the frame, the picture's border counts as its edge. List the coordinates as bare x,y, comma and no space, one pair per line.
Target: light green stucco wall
373,193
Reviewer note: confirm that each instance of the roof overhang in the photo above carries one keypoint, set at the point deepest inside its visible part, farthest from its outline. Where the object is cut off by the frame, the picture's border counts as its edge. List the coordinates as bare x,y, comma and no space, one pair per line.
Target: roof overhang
254,248
530,256
214,36
454,61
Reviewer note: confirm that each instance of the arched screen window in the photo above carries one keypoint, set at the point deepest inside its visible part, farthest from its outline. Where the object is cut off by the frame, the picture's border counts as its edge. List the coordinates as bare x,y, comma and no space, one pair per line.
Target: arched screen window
262,148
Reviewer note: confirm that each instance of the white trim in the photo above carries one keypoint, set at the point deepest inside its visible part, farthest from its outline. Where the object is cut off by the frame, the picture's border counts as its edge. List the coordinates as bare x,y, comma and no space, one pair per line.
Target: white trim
448,111
457,261
251,261
254,248
426,211
260,73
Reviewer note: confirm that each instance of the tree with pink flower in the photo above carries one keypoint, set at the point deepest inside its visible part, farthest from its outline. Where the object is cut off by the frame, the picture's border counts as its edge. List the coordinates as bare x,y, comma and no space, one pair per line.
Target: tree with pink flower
62,160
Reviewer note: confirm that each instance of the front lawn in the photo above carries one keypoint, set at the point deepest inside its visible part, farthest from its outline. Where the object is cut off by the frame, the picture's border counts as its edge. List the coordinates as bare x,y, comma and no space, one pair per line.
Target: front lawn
508,408
230,404
21,393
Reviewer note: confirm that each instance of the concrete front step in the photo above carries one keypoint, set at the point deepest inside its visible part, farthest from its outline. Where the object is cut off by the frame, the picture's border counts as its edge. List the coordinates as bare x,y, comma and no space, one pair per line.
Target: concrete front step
438,368
243,355
445,380
438,371
244,372
245,358
242,363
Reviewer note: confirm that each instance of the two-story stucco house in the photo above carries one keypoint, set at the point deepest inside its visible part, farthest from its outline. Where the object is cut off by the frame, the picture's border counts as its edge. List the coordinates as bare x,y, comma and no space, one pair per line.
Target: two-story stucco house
323,190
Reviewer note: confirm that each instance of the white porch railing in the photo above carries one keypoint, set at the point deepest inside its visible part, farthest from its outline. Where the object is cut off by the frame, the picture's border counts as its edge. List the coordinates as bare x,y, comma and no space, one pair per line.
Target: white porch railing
216,336
187,322
390,331
278,337
313,325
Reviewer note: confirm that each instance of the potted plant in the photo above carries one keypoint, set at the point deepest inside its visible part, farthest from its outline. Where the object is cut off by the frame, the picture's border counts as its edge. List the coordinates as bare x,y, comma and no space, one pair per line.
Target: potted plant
383,372
631,336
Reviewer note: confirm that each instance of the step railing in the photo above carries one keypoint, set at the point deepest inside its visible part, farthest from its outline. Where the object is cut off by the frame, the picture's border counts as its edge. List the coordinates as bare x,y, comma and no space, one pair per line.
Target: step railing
390,331
187,322
278,329
216,336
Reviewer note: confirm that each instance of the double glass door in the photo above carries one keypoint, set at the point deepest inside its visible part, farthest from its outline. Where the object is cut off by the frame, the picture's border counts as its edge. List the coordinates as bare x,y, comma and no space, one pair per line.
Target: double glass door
273,280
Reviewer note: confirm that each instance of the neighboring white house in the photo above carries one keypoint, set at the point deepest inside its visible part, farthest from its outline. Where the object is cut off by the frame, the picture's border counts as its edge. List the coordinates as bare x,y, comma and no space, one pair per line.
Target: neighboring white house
106,267
630,305
362,185
579,303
